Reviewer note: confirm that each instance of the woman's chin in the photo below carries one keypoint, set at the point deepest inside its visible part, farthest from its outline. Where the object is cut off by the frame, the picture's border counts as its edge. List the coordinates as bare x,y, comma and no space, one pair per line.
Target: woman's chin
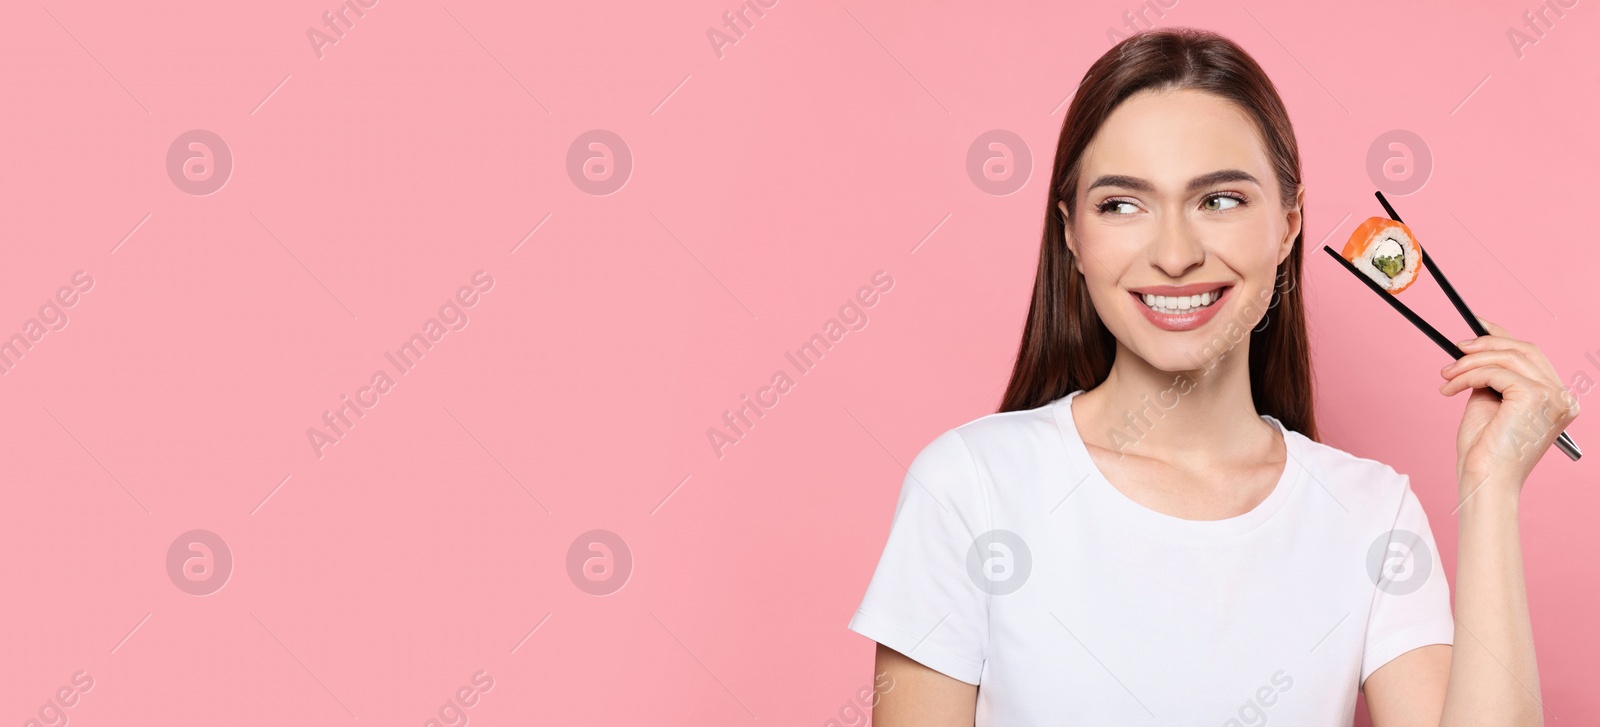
1193,353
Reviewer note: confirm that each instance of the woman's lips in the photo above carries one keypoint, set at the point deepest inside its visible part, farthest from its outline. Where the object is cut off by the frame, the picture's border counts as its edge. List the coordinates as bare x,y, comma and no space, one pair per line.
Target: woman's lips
1185,321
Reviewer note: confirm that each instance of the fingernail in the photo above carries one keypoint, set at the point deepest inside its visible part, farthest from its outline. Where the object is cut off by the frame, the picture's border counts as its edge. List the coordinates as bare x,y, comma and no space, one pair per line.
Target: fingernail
1466,343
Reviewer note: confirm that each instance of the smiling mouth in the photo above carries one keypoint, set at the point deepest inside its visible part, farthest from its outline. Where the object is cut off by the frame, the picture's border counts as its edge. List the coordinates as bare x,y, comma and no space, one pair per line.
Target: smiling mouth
1180,305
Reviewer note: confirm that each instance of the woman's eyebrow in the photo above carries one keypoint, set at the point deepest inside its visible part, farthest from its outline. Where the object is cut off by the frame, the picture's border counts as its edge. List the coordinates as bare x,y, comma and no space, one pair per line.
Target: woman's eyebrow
1195,185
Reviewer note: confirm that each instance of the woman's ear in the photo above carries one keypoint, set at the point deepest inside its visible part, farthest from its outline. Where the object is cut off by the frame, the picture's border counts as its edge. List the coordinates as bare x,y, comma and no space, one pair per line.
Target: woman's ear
1066,231
1295,218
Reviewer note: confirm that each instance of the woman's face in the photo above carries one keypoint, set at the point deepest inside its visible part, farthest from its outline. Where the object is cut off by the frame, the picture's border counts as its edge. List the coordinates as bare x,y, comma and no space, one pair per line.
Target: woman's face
1178,204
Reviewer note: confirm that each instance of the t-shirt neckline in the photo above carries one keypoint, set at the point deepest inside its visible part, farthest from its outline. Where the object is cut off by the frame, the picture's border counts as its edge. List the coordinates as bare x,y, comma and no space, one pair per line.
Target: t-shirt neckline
1121,506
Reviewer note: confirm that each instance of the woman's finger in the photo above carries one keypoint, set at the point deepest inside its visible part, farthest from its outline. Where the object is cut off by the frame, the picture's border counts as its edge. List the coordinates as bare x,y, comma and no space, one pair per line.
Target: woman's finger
1554,404
1499,337
1510,384
1496,342
1507,359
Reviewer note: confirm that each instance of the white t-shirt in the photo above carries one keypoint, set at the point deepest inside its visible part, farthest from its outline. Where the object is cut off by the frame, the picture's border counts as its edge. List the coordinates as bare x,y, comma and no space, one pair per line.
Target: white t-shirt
1087,608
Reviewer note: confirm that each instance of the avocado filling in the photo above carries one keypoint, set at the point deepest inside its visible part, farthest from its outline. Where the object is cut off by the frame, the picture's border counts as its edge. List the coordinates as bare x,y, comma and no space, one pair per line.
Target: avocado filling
1389,258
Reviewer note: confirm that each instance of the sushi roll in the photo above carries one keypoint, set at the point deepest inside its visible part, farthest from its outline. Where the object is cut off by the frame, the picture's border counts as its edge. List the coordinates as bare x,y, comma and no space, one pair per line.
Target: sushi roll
1386,251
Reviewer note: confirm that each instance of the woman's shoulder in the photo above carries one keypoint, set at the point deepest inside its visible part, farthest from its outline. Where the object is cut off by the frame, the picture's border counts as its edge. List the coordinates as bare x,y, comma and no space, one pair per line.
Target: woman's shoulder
960,465
1005,431
1009,436
1344,471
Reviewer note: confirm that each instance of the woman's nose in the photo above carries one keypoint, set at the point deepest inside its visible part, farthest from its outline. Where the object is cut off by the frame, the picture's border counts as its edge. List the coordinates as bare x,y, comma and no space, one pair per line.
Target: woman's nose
1177,247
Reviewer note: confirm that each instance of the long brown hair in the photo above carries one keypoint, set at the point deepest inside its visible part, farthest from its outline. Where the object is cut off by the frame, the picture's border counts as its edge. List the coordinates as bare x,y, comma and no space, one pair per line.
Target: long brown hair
1065,346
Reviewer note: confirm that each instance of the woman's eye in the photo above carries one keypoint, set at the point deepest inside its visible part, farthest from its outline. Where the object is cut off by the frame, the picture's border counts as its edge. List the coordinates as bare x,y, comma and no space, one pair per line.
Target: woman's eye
1113,207
1231,201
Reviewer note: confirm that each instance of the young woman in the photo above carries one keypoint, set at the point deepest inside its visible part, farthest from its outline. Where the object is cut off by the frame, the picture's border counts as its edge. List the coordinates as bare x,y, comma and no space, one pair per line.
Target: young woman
1149,532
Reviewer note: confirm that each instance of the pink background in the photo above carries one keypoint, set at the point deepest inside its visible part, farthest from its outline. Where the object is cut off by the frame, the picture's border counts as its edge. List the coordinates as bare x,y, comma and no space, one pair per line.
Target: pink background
767,186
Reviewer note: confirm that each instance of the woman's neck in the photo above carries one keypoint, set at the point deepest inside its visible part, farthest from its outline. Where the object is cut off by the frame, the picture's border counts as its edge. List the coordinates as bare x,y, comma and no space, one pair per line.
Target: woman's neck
1200,415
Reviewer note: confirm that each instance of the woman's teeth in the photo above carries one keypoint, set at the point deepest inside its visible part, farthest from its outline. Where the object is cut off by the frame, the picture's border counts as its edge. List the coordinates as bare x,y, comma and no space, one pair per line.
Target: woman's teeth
1171,305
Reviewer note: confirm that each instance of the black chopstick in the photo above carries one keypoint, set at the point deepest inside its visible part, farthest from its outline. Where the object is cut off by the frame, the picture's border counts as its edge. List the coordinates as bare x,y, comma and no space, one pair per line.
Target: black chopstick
1568,446
1564,442
1416,320
1444,282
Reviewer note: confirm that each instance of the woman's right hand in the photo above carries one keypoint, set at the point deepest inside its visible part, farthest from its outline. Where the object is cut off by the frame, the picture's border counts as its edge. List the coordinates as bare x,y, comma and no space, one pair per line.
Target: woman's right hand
1502,437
